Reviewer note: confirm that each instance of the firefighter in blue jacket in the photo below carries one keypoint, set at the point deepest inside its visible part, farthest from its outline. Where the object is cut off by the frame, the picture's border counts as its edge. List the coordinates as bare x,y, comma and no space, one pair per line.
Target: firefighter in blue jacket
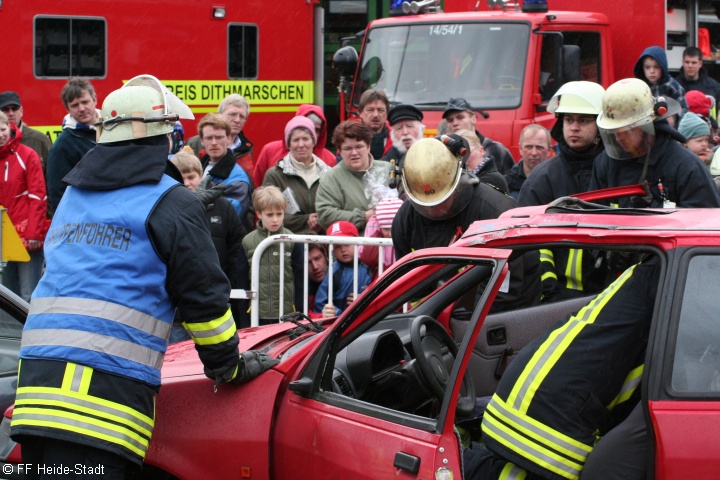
571,386
128,245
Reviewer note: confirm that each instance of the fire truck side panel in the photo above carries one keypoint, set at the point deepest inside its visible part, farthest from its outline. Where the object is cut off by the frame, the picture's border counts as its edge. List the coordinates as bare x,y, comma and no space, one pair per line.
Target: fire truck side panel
179,42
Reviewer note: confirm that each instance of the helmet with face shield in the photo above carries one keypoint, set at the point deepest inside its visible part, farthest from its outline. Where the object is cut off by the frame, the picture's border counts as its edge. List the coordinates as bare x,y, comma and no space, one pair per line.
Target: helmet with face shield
628,113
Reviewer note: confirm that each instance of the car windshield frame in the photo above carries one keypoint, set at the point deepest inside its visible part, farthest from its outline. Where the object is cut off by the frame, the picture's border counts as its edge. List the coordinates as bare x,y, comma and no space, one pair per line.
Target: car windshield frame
424,64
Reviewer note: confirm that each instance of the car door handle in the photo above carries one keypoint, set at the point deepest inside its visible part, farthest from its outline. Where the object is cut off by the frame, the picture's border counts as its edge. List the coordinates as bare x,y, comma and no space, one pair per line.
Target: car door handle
407,462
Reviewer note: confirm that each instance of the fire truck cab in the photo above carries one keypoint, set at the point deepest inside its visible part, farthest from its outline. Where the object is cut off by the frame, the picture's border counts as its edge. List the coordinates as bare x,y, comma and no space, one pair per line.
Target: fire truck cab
507,63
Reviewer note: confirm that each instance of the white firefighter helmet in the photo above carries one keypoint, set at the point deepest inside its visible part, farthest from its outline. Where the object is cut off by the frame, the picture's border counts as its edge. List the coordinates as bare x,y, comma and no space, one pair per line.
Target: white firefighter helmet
626,121
627,103
579,97
435,180
141,108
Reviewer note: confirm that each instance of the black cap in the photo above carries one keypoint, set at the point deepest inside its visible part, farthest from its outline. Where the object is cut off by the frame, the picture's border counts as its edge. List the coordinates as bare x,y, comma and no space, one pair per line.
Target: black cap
456,105
9,98
404,112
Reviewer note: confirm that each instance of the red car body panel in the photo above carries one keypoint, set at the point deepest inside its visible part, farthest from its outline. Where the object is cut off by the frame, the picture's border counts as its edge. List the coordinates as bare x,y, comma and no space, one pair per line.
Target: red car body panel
686,439
270,429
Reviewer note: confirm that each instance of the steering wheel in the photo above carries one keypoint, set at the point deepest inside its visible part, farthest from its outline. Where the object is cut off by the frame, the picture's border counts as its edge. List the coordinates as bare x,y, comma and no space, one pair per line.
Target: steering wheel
435,353
508,82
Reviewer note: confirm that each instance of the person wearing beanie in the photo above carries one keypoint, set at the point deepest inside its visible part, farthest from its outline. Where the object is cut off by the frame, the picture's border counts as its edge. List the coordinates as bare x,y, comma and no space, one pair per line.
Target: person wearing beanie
697,132
297,175
703,105
343,276
272,152
380,226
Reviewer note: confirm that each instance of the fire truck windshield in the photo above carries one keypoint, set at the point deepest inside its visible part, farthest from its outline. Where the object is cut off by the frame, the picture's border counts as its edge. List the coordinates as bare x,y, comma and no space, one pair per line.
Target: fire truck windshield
426,64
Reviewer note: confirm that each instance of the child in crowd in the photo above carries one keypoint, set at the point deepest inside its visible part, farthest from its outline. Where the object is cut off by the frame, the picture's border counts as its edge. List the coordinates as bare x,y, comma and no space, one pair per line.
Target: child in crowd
270,205
697,132
227,233
342,274
652,68
379,226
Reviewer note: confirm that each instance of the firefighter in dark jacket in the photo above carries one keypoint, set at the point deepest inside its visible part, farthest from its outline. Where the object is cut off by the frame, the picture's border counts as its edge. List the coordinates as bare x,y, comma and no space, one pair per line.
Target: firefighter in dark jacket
569,387
128,245
441,207
569,272
642,148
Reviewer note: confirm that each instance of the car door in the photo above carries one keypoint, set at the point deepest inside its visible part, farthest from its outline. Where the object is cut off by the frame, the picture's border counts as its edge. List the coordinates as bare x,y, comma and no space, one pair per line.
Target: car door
13,311
684,376
324,431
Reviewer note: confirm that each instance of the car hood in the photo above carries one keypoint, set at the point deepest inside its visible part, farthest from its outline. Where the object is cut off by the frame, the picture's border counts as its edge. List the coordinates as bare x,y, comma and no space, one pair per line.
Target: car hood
182,360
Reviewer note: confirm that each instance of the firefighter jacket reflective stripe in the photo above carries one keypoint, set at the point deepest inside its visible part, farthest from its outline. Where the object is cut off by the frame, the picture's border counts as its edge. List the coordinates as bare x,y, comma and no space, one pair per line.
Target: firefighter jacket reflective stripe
102,301
570,273
75,403
576,381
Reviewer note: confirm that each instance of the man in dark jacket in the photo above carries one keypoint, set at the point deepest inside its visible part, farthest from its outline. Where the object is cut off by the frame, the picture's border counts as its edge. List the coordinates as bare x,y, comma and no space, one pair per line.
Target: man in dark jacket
693,75
642,148
10,105
236,109
459,115
572,272
134,241
77,137
441,207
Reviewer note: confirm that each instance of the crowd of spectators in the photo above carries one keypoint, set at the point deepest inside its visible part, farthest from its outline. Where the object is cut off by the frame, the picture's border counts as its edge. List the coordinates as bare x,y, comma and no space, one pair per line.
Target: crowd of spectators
296,185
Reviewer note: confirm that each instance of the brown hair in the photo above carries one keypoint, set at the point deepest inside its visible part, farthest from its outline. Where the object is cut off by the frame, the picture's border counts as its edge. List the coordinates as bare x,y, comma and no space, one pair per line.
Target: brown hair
351,129
265,198
372,95
74,89
187,162
214,120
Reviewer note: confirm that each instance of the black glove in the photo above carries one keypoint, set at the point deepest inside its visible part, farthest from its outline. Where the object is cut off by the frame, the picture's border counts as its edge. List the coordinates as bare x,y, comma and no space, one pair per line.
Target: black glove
250,364
208,196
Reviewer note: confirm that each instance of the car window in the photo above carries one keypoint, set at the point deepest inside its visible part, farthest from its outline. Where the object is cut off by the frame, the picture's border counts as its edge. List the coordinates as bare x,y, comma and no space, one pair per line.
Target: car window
696,364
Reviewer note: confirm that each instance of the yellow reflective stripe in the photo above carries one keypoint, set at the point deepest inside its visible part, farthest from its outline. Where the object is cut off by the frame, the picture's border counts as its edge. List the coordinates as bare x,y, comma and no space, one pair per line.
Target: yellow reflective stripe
548,275
512,472
538,431
68,376
212,332
573,269
547,256
86,403
85,380
554,347
530,449
87,426
632,381
76,378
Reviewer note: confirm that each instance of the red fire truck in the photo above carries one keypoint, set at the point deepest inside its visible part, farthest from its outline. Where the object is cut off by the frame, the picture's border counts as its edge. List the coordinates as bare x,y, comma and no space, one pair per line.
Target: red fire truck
506,62
202,50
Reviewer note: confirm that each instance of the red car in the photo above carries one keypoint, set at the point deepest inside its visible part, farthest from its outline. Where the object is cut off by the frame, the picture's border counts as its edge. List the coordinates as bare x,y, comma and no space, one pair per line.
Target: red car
378,392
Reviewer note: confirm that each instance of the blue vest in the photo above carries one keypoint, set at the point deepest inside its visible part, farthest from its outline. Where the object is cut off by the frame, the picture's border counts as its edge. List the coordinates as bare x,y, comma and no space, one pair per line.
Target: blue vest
102,300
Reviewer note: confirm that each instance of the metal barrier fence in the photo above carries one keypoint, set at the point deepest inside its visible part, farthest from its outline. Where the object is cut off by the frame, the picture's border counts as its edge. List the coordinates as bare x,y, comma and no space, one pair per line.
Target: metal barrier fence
307,240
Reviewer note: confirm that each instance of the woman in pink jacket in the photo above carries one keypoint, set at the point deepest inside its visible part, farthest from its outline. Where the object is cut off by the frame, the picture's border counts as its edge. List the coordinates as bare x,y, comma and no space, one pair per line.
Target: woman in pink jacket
23,194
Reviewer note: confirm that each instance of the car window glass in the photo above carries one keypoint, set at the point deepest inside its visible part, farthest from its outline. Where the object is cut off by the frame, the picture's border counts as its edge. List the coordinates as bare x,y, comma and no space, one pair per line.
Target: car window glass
11,325
696,365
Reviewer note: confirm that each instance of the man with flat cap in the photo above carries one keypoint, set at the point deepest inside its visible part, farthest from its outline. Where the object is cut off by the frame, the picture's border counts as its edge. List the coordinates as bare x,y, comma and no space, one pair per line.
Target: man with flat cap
406,128
459,115
10,105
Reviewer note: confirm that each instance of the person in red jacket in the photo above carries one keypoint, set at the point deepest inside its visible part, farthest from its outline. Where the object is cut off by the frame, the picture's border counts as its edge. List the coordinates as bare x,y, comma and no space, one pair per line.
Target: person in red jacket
22,192
275,151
